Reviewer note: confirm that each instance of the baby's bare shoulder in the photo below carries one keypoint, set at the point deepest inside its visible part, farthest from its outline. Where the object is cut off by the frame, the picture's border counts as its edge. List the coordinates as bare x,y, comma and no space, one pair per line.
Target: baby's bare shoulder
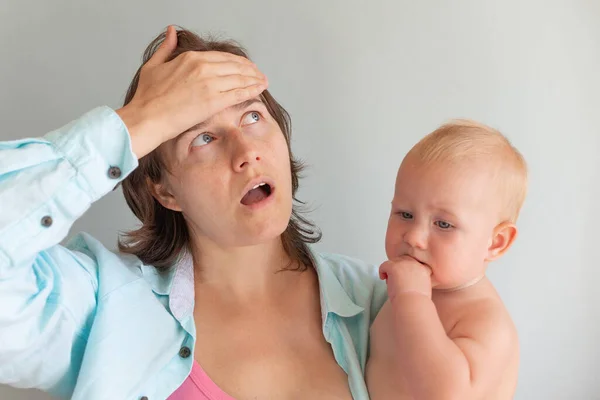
487,336
485,320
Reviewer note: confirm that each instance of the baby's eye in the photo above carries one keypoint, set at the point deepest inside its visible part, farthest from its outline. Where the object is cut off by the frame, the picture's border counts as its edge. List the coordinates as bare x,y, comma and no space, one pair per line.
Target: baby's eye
250,118
443,224
405,215
203,139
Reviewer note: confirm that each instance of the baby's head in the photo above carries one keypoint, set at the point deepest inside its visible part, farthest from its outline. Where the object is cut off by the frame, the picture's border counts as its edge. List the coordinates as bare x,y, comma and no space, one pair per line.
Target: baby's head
457,198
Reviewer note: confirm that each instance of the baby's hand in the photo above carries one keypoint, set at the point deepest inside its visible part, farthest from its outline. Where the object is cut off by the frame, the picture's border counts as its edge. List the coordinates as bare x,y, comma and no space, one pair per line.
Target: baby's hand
406,275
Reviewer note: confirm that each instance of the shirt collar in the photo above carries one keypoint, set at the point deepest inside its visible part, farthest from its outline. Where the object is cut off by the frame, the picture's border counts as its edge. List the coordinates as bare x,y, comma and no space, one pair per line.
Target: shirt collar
178,284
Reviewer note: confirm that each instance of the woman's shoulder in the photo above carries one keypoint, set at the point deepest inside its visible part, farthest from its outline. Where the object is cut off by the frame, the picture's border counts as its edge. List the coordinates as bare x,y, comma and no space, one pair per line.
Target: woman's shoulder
111,267
347,267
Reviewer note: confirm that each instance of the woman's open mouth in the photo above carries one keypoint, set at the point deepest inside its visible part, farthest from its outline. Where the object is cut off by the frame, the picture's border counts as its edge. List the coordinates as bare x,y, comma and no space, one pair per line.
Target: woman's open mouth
257,194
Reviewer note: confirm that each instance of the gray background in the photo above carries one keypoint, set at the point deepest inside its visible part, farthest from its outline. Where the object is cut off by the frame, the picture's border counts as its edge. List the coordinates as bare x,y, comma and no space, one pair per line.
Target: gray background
363,82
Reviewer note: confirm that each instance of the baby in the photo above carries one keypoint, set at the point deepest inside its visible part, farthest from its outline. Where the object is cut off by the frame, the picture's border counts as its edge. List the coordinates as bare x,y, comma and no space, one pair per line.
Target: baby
444,332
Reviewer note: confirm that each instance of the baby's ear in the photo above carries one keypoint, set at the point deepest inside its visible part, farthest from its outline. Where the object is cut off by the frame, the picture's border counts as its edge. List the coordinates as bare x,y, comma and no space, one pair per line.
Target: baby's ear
502,238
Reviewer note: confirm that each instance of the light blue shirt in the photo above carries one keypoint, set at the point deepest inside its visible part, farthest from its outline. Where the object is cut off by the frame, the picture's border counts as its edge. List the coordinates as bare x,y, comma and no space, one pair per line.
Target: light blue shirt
81,321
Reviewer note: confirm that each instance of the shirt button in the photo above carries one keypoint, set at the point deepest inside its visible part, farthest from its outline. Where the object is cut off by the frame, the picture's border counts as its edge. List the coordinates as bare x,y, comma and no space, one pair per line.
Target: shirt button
46,221
185,352
114,172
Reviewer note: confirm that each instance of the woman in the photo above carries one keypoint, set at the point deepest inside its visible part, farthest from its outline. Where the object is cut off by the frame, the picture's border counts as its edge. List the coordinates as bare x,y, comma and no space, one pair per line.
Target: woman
217,295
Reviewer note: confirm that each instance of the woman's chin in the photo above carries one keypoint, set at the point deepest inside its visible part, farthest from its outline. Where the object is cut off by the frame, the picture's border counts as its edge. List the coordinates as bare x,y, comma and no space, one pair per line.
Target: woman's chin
261,233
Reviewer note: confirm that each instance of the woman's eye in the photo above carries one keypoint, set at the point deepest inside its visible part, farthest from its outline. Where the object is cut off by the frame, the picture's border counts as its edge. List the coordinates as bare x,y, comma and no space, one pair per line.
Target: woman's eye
203,139
251,118
443,224
406,215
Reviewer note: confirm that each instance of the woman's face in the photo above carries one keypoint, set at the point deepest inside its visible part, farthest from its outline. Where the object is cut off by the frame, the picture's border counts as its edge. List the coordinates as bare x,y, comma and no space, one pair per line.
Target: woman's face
230,177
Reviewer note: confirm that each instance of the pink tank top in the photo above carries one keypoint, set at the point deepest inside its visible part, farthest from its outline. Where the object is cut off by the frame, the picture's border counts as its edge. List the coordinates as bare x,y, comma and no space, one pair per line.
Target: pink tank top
198,386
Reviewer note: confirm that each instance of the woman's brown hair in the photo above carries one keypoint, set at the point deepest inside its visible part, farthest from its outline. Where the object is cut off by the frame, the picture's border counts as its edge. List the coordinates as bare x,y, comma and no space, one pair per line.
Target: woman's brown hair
164,233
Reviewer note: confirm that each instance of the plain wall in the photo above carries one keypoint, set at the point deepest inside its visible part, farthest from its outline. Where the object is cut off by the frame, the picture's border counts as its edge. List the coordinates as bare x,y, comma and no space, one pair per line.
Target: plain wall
363,82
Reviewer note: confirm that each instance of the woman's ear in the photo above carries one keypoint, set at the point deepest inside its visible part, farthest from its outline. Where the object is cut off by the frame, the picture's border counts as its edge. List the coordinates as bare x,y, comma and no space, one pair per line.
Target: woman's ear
503,237
162,194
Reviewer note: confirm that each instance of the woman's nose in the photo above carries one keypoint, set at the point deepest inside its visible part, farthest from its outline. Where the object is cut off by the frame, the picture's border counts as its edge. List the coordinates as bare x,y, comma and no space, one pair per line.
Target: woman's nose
246,152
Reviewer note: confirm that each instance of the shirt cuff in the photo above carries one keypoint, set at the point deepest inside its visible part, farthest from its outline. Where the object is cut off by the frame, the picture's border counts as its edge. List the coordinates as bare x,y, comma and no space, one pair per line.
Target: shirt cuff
98,145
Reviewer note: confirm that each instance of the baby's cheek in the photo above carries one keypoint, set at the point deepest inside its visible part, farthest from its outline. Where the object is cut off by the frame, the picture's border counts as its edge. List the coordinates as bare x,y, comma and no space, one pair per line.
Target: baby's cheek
392,245
446,264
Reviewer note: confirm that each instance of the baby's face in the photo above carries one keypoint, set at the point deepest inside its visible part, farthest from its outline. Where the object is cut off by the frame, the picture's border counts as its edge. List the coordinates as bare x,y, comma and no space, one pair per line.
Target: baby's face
443,216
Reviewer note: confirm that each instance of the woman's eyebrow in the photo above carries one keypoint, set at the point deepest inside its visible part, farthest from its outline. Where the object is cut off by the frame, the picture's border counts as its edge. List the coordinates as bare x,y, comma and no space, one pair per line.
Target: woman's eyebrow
238,107
245,104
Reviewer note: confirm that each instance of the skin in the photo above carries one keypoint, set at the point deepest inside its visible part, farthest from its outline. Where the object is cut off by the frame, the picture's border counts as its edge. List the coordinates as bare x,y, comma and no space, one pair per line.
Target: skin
444,332
259,333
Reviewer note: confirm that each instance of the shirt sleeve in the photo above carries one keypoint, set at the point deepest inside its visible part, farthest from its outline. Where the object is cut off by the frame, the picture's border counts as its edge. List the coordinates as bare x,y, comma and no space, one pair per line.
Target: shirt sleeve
47,291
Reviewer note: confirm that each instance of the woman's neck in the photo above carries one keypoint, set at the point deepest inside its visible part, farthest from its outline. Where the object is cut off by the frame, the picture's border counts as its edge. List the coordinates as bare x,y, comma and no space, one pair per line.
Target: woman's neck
242,271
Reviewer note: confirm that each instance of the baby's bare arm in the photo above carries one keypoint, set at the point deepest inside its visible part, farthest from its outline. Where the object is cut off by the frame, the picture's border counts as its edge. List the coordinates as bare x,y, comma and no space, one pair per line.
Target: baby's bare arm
487,338
412,356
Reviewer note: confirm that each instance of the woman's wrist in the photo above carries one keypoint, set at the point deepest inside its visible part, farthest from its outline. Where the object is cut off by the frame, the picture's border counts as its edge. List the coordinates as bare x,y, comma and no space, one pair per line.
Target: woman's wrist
142,131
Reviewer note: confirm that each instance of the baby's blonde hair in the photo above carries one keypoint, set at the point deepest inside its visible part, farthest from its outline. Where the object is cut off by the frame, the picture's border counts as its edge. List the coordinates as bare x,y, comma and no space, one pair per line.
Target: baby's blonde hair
464,140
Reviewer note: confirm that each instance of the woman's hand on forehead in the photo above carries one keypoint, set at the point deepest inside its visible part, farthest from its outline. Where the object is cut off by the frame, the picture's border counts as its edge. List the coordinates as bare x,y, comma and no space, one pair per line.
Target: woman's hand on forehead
173,96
